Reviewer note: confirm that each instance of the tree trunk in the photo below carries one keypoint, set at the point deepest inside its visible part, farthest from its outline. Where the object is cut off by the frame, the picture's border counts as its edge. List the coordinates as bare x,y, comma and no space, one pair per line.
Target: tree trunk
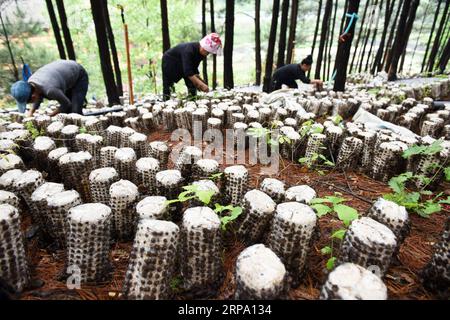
105,58
258,64
323,35
332,38
228,82
205,63
388,53
65,29
436,15
360,33
292,31
271,45
409,26
213,29
343,52
376,67
55,27
165,25
341,28
11,55
444,37
374,36
316,30
444,57
112,45
366,40
437,39
283,33
418,36
399,42
325,48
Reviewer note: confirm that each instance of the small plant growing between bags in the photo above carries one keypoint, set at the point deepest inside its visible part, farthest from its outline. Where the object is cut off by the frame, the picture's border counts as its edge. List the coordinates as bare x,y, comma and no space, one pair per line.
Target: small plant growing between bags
308,128
227,213
193,192
334,204
423,202
215,176
415,201
268,134
234,213
33,130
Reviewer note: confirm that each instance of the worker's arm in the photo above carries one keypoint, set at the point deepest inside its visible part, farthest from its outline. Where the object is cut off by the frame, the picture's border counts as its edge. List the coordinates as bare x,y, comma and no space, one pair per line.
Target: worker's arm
198,83
190,71
316,81
64,102
35,106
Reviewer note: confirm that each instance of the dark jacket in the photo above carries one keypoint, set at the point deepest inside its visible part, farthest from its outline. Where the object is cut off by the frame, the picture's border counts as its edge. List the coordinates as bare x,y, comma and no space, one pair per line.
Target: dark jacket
182,61
56,79
287,75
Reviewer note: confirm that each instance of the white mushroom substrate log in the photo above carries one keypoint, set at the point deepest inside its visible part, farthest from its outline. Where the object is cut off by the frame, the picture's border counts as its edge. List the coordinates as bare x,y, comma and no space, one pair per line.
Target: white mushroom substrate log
350,281
201,250
259,274
290,235
13,261
436,274
152,260
88,241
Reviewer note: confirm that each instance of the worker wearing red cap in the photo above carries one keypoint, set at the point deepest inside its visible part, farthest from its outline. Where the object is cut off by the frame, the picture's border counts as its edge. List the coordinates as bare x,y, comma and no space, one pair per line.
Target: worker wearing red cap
182,61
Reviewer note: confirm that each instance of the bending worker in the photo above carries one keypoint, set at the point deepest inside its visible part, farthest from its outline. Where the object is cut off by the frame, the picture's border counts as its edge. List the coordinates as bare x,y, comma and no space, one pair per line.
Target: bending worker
62,80
182,61
287,75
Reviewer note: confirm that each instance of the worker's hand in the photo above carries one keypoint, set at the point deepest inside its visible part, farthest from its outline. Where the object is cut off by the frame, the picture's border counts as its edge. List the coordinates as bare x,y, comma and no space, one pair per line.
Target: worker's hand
203,87
54,113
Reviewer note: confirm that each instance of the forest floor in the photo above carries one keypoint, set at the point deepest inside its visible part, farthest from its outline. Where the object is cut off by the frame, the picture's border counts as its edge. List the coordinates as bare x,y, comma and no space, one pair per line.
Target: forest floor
402,278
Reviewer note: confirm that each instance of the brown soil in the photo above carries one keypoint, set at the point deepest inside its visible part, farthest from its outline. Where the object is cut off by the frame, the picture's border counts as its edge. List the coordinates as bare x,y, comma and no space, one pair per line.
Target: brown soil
402,279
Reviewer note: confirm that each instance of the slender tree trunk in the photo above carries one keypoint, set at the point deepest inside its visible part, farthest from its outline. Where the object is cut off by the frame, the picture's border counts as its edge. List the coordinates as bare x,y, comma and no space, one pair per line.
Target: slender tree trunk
228,50
112,45
399,42
376,67
443,61
341,28
55,27
374,36
418,36
325,48
369,30
292,31
205,63
165,25
105,58
436,15
332,38
409,26
316,30
11,55
360,33
444,37
271,46
258,63
437,39
343,52
388,54
213,29
283,33
65,29
323,35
